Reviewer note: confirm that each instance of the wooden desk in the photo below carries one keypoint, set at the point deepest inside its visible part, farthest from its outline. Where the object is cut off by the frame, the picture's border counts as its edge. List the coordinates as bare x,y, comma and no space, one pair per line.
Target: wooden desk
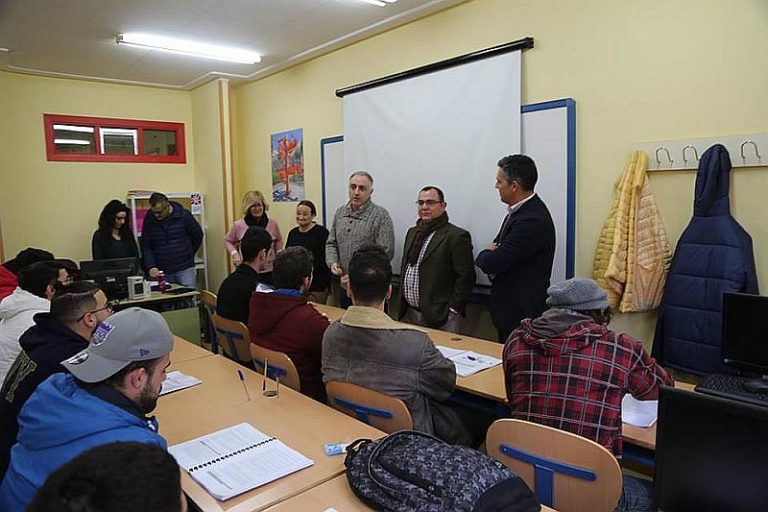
335,494
184,351
220,401
155,299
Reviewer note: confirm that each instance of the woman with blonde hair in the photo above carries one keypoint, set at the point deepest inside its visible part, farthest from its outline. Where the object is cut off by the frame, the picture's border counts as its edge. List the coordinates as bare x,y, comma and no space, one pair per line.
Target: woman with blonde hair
254,214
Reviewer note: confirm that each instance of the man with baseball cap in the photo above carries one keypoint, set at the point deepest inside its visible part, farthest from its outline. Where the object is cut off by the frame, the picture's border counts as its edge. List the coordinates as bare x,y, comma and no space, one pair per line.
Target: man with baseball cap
567,370
113,385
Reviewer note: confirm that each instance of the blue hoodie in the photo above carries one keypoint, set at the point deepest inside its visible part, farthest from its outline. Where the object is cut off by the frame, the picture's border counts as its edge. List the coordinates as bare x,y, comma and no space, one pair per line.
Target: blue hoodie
58,422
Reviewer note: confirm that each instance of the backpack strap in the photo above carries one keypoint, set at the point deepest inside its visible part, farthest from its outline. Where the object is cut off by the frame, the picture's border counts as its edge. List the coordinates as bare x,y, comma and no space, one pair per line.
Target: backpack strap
386,441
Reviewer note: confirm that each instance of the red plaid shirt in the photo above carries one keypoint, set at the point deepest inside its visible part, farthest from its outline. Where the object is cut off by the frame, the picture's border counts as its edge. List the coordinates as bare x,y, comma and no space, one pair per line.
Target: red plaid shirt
575,380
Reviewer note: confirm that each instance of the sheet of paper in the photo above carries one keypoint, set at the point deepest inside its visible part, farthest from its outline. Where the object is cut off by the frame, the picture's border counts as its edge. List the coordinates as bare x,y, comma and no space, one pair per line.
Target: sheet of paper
449,352
468,363
640,413
176,380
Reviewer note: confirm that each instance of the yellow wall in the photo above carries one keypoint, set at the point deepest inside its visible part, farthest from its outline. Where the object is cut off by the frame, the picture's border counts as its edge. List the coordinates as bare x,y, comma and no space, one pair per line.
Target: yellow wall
639,71
56,205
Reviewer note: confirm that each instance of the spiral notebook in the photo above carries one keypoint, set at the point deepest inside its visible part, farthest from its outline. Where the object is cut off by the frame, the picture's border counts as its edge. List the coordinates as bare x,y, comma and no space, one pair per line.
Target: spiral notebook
237,459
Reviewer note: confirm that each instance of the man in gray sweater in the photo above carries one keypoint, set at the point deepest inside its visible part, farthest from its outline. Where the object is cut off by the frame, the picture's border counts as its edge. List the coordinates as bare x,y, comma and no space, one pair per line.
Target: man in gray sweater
357,223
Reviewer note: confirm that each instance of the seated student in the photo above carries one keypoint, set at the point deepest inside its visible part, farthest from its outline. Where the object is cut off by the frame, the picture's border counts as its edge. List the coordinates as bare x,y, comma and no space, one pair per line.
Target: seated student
114,384
367,348
33,295
10,269
114,477
235,291
75,312
287,323
567,370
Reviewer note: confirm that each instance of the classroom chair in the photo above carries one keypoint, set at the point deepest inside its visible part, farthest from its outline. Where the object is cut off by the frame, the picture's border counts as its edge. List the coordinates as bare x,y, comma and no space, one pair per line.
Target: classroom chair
208,304
567,472
234,339
279,365
376,409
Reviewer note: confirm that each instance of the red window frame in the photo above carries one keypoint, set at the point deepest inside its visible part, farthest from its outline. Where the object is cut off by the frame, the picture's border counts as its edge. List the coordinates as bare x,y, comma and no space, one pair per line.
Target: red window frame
107,122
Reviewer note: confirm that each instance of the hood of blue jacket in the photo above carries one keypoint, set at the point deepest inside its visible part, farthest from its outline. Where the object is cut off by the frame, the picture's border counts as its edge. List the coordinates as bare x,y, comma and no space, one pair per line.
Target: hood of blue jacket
712,183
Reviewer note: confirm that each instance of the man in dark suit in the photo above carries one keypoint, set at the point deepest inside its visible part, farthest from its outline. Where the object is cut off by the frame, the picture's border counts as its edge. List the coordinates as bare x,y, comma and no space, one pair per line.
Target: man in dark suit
437,270
519,260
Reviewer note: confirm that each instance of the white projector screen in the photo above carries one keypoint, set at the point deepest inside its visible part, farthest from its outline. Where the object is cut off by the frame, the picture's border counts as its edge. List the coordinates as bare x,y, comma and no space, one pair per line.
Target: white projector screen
447,128
548,136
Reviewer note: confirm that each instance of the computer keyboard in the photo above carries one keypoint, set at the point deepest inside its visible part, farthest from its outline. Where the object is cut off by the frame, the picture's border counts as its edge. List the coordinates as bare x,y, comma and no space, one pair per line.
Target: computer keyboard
731,386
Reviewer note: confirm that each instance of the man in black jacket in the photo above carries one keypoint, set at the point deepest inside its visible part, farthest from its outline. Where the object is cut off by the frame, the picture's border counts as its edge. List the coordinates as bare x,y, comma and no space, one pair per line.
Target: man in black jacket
170,237
76,311
235,291
519,260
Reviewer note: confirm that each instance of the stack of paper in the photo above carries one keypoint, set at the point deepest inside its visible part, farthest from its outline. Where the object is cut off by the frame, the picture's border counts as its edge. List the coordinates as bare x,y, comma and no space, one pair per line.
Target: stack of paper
640,413
176,380
467,362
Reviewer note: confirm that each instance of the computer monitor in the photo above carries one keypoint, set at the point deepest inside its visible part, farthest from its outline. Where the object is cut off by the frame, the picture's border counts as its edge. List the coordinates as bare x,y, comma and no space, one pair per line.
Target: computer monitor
711,454
111,275
745,342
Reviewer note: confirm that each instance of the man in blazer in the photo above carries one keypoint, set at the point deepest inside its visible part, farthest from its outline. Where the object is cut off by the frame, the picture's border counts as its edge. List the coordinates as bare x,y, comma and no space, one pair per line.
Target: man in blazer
519,260
437,271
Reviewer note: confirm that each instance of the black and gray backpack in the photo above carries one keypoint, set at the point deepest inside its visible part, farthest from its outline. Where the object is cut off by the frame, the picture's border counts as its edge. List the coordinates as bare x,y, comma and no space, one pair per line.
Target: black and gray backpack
413,471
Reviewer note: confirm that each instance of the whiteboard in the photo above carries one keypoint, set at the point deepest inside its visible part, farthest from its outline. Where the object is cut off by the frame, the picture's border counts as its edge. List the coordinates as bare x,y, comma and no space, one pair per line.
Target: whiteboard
548,136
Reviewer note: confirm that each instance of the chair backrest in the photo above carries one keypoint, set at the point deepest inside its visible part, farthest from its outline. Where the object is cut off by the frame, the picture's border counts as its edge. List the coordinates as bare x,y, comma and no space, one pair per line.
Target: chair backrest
279,364
567,472
234,339
376,409
208,301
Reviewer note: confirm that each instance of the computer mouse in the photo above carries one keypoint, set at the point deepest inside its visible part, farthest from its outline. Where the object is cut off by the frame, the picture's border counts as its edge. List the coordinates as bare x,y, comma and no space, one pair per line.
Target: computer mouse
756,385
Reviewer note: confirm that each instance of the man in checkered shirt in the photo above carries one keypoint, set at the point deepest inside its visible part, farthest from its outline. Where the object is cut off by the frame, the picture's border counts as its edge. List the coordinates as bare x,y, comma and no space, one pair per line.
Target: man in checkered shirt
567,370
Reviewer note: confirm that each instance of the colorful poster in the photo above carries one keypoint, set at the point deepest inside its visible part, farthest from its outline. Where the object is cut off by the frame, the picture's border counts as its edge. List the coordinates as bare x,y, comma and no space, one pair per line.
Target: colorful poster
288,166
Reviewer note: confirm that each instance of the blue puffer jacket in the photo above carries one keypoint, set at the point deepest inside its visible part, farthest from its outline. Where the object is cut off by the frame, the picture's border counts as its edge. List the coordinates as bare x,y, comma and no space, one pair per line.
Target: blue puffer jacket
170,244
713,256
58,422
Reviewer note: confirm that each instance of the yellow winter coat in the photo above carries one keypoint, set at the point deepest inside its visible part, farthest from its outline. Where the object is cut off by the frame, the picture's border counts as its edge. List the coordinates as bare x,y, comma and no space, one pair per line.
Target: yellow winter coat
633,252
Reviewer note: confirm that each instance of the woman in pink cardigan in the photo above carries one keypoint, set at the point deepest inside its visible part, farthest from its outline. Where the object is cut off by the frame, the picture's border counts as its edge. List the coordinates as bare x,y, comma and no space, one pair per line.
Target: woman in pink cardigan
254,214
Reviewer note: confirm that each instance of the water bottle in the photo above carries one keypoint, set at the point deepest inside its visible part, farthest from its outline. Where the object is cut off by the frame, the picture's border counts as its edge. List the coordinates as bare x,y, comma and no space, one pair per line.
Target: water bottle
161,281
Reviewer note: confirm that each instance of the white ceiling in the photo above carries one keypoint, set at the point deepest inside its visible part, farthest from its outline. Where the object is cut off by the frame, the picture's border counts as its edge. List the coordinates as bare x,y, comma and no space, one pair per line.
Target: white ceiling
76,38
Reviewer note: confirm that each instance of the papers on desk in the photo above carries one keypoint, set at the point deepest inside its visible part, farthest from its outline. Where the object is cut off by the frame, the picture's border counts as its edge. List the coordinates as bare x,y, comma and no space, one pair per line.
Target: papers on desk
640,413
176,380
467,362
236,459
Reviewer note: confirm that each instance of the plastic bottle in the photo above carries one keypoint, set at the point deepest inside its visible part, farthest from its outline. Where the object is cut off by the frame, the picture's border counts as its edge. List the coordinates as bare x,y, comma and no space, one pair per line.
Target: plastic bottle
161,281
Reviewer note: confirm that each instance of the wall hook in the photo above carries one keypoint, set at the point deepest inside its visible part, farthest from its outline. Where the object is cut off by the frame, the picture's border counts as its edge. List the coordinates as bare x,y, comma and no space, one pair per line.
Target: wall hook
695,153
669,157
754,144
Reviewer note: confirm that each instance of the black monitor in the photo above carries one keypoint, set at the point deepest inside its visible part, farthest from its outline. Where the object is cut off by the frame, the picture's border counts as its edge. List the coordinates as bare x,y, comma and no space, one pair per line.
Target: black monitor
711,454
111,275
745,341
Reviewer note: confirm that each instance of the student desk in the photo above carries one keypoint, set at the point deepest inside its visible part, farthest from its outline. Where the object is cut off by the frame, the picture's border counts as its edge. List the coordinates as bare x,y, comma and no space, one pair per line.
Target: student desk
489,384
335,494
158,299
220,401
184,351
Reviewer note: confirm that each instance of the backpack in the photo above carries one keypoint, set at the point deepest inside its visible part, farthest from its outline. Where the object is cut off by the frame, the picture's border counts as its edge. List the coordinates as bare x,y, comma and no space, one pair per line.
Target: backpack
414,471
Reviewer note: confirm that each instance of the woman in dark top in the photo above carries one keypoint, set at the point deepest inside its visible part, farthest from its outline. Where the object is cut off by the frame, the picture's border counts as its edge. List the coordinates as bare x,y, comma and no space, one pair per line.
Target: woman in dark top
312,236
114,238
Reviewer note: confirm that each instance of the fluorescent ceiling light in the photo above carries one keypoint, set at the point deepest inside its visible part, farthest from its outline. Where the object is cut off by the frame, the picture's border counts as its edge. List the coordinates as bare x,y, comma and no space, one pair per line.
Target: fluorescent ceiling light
182,47
378,3
73,128
72,141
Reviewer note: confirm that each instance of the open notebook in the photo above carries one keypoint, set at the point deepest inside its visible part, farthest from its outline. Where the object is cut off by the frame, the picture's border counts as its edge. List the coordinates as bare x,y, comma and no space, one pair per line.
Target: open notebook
236,459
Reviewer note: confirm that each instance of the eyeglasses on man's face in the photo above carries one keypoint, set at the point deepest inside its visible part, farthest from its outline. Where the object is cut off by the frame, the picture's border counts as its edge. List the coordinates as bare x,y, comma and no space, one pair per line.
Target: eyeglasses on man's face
109,307
427,202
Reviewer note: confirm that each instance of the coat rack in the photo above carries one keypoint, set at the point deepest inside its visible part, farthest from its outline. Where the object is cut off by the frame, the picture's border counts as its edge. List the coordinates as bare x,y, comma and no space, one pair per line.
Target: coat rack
677,155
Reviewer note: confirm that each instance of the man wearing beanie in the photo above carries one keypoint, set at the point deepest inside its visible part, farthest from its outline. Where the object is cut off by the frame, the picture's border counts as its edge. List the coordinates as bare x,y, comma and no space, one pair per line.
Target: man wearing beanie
113,385
567,370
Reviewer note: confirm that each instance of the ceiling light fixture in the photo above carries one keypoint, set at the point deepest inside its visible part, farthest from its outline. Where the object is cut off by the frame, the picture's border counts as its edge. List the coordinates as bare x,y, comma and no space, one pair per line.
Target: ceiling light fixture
379,3
182,47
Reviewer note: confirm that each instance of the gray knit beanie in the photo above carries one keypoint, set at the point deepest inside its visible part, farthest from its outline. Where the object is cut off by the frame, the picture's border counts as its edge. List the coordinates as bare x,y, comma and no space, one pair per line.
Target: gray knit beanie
579,294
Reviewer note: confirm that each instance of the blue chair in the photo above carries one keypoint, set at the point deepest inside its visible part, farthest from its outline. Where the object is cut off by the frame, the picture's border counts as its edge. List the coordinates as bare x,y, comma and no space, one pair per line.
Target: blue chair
234,339
376,409
278,365
567,472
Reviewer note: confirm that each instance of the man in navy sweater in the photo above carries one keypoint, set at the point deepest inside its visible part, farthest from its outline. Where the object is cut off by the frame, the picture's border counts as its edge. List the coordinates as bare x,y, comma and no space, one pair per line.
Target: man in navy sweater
170,238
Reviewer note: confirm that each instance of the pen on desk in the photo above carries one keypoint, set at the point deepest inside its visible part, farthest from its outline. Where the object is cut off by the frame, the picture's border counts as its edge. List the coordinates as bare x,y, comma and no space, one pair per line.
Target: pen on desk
264,382
472,358
242,379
